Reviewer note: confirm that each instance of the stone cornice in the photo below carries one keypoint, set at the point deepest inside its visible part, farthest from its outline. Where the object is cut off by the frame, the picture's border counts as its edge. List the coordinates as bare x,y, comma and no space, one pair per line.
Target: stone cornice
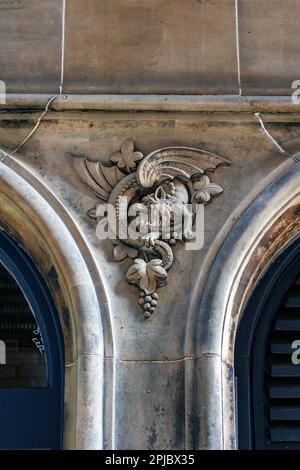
157,103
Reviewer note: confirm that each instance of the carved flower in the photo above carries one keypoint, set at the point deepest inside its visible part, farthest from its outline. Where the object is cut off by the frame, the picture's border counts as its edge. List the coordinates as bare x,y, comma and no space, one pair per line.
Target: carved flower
146,274
205,190
121,251
127,157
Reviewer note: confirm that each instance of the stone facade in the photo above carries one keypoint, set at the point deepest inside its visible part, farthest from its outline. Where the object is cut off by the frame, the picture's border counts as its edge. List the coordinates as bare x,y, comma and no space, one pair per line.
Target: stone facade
81,79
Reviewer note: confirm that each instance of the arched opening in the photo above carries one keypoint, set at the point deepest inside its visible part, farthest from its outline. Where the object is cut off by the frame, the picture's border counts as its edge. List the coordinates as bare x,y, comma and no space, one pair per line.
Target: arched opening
266,367
36,220
268,224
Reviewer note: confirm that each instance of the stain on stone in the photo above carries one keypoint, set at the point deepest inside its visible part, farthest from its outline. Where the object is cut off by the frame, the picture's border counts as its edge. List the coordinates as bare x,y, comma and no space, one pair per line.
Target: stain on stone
66,317
297,210
161,412
93,340
12,4
229,372
16,123
206,2
152,437
13,234
52,274
194,428
232,441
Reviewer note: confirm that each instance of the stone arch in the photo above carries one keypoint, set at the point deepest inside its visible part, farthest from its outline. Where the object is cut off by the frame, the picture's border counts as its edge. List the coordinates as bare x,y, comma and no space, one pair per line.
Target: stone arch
269,223
34,217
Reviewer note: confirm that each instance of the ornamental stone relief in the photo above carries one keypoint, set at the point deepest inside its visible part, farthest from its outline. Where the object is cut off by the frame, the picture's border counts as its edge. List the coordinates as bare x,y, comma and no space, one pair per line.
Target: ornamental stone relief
149,205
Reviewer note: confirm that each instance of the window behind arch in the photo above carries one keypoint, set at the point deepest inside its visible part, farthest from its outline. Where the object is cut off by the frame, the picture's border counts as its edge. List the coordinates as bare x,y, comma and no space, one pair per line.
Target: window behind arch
267,369
32,367
22,359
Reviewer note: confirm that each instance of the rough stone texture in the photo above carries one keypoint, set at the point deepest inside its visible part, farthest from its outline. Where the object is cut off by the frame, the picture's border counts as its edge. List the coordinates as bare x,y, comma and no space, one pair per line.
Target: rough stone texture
148,402
30,54
269,37
139,46
89,402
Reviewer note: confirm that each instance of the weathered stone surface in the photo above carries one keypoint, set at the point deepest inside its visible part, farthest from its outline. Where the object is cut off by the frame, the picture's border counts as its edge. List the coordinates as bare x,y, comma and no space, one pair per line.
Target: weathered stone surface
134,47
89,401
149,387
139,46
269,38
30,54
204,427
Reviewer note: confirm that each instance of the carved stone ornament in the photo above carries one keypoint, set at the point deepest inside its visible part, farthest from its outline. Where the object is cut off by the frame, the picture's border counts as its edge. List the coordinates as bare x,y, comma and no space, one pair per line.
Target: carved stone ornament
169,180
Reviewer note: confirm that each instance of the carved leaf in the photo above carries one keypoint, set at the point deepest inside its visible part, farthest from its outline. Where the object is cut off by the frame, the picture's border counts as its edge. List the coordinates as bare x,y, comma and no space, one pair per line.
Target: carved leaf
121,251
86,177
112,174
214,189
146,275
202,182
202,196
205,189
127,157
95,170
100,178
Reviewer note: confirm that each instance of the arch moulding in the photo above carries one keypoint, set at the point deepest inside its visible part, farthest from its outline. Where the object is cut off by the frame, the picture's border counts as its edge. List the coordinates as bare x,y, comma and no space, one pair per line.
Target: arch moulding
39,223
265,228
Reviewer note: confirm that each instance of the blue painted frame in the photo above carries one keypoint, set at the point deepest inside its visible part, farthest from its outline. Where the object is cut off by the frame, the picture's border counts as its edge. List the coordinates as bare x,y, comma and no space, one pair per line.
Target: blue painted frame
43,406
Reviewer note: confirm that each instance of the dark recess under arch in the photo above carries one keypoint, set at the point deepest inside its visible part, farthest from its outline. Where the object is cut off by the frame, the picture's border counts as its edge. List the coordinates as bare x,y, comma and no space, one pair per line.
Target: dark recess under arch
31,416
268,383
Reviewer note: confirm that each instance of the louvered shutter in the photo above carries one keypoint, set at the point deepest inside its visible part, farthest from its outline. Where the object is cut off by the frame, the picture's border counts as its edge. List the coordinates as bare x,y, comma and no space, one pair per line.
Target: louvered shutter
282,377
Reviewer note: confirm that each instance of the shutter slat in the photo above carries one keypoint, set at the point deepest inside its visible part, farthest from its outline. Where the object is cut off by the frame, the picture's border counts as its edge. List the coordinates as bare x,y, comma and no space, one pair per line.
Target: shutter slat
285,413
281,347
285,371
290,324
285,434
282,394
293,301
284,391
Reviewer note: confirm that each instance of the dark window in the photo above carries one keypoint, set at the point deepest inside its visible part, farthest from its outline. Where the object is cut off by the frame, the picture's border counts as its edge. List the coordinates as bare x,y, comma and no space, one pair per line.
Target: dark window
22,355
267,368
31,355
